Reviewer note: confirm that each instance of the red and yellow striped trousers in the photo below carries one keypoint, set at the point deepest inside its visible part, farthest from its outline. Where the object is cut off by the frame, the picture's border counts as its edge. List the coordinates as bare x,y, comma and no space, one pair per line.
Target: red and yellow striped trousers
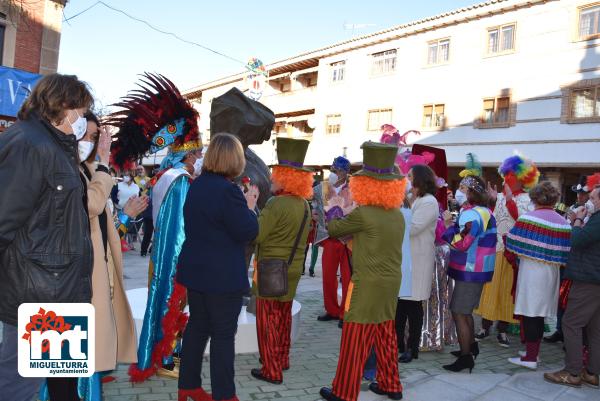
274,330
357,341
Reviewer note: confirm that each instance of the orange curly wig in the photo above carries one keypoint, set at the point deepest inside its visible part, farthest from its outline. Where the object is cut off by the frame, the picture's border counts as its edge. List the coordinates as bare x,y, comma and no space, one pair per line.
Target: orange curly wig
292,181
367,191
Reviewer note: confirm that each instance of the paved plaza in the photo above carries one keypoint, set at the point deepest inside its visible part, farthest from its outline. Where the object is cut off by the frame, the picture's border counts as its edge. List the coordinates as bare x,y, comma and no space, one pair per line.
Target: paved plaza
314,360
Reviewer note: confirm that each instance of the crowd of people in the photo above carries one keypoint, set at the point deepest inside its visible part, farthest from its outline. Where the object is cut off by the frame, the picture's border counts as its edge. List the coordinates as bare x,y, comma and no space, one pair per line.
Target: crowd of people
409,251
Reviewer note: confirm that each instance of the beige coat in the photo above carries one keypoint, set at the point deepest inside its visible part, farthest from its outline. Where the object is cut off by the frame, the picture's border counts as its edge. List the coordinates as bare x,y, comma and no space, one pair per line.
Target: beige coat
116,340
425,212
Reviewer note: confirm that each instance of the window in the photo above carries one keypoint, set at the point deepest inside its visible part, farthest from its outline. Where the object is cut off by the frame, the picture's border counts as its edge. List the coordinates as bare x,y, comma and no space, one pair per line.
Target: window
589,22
376,118
581,102
496,111
337,71
383,62
438,52
501,39
585,103
433,116
333,123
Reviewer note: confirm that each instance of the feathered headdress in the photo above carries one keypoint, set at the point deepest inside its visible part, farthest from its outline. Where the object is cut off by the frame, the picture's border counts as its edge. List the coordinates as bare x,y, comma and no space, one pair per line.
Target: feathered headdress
472,167
152,118
592,181
524,169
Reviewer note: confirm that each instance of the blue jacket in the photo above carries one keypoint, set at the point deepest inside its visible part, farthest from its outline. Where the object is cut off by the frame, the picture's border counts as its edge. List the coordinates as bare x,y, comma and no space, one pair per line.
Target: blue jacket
218,226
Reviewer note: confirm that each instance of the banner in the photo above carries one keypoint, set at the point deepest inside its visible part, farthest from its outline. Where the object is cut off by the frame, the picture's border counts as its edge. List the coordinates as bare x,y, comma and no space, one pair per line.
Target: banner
15,86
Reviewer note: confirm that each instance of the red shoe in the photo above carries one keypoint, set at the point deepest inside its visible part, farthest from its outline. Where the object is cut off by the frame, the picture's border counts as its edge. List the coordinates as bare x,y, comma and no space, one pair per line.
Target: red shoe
196,394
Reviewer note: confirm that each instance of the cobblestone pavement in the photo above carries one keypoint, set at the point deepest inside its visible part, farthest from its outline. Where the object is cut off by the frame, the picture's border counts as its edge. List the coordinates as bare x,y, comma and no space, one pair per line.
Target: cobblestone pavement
314,360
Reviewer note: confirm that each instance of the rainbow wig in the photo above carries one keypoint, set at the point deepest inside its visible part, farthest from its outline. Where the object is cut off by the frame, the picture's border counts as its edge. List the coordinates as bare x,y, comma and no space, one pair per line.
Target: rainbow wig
367,191
293,181
524,170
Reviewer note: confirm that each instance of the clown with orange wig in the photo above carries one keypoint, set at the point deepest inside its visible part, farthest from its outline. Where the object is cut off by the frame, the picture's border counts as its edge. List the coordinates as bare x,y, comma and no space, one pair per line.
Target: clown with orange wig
520,175
283,230
377,229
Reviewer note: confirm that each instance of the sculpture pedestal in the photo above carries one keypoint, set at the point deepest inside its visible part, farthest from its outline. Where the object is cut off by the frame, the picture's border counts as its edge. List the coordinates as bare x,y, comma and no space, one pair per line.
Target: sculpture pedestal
245,338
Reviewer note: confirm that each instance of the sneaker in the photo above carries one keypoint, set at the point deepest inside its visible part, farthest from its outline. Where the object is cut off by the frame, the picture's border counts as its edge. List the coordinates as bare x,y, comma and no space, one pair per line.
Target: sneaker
563,378
503,340
524,353
481,334
526,364
589,379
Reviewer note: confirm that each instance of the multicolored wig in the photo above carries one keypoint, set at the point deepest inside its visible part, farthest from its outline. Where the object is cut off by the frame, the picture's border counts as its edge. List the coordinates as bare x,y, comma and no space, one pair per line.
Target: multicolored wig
293,181
368,191
472,167
593,181
524,170
152,118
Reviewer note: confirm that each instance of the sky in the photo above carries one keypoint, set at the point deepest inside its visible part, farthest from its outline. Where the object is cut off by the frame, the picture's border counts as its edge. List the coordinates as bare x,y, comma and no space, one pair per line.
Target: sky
108,50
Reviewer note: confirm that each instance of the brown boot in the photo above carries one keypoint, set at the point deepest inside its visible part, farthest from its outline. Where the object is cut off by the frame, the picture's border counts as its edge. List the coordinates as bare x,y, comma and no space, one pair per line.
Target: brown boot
589,379
564,378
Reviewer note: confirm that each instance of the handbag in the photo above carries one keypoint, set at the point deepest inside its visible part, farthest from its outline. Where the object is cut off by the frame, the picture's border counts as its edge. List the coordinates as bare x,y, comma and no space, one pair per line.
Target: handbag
273,273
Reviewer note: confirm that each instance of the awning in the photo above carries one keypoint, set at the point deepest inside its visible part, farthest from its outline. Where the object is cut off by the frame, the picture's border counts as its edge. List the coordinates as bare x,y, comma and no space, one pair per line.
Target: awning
559,154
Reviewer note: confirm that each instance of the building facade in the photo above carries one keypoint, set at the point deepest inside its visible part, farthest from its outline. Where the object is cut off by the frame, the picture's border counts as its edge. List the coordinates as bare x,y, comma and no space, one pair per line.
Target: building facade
30,34
493,78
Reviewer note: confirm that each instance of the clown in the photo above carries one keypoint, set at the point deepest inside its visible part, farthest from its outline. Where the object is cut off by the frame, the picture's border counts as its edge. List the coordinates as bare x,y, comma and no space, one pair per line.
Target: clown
153,118
334,201
519,175
377,227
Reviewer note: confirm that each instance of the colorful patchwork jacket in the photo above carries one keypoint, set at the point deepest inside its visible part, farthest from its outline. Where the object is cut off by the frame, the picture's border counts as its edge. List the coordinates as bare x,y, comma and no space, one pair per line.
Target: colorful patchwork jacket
473,245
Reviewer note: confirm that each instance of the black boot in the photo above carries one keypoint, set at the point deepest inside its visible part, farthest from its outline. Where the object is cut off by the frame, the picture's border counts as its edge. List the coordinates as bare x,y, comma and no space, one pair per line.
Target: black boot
474,350
257,374
409,355
463,362
374,387
554,338
327,394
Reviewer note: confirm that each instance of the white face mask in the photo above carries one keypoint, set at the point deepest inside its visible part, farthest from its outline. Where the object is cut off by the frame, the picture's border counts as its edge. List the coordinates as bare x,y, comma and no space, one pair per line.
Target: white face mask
333,178
85,149
79,126
127,179
198,166
460,197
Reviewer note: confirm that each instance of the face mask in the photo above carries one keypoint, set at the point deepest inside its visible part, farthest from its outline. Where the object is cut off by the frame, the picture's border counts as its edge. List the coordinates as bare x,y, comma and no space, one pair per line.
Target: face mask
79,126
198,166
127,179
460,197
85,149
333,178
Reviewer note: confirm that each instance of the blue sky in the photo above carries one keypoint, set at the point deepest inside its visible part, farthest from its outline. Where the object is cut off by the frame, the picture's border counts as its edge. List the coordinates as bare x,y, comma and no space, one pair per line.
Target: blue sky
108,50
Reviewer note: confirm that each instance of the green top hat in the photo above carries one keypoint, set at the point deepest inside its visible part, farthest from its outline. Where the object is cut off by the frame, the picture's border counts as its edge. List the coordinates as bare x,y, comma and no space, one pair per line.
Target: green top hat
291,153
378,161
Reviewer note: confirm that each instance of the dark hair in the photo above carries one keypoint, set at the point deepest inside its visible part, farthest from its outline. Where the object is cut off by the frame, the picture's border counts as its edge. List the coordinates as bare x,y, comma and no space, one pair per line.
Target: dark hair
91,117
544,194
423,179
53,94
477,198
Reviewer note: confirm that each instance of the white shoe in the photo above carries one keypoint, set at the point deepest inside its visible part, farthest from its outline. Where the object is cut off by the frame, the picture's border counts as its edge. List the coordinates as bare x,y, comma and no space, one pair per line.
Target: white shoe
525,364
524,353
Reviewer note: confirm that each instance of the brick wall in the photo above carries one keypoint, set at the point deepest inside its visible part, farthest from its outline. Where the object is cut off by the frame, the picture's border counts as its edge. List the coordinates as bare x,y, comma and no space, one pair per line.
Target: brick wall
29,37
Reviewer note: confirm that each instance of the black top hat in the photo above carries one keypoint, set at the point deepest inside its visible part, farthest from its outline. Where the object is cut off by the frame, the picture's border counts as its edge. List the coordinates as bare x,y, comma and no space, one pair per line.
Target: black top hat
580,187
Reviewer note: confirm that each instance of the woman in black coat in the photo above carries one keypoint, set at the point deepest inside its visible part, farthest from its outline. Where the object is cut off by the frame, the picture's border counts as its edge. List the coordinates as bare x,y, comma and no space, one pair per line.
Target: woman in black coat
219,223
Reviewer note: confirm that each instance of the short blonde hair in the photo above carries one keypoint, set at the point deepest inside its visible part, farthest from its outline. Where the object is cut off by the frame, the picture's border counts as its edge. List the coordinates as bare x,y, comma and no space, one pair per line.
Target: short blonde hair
225,156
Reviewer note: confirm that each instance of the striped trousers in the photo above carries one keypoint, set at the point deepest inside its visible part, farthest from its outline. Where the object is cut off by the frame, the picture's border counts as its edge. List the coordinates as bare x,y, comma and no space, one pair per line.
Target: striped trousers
357,341
274,331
